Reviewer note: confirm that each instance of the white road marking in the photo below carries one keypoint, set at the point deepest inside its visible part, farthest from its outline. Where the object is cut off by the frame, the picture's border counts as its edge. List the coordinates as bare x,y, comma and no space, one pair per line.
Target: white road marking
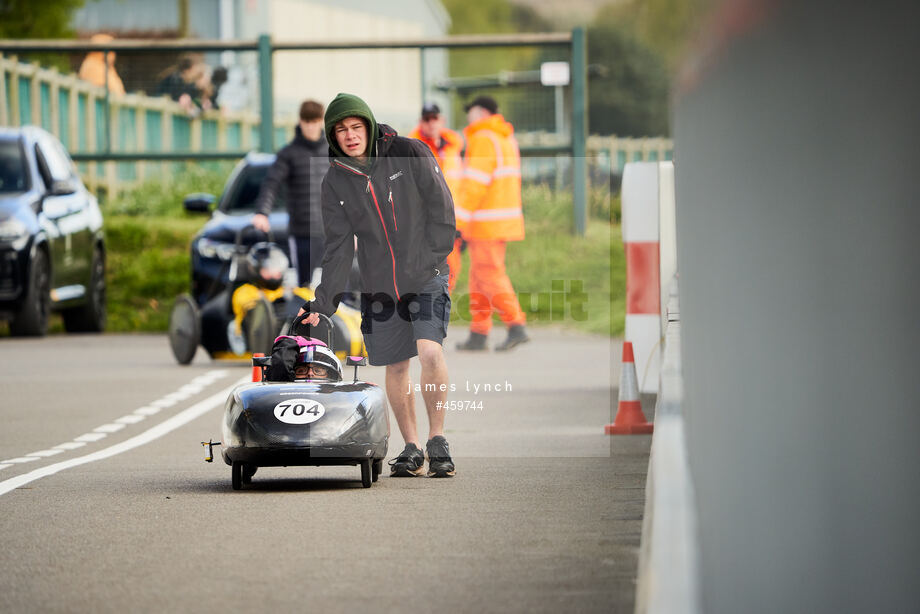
155,432
196,385
45,453
109,428
71,445
130,419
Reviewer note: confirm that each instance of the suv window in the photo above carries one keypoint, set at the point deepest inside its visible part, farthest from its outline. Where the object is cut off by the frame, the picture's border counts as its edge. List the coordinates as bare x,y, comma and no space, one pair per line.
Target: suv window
13,175
245,191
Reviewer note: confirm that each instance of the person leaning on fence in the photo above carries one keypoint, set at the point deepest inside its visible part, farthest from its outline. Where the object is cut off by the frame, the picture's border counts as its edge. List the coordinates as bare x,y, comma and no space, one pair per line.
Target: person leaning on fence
489,214
179,84
447,147
390,193
299,167
95,70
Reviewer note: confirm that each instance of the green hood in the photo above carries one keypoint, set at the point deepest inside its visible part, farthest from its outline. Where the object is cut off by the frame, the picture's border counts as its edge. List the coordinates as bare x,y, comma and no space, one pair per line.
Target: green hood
349,105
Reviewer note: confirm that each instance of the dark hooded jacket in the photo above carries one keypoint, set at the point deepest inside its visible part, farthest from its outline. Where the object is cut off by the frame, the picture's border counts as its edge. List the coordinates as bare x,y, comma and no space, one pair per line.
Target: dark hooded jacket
299,168
398,206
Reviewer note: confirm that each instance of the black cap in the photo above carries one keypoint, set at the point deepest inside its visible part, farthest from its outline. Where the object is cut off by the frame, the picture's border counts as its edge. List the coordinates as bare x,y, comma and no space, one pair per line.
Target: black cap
486,102
430,108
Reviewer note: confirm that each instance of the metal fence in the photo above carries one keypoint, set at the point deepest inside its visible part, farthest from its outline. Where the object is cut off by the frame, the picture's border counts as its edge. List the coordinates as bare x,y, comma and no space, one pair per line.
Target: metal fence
121,139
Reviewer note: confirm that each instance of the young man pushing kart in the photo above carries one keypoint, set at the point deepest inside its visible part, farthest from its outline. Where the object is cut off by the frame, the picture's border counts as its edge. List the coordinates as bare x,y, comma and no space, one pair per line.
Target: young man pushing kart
389,192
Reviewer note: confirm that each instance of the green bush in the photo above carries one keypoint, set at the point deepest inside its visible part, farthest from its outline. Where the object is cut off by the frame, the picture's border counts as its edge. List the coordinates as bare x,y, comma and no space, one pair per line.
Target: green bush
148,266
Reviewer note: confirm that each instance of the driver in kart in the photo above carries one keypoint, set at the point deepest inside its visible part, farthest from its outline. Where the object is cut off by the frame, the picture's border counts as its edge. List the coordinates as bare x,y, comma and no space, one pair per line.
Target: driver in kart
317,363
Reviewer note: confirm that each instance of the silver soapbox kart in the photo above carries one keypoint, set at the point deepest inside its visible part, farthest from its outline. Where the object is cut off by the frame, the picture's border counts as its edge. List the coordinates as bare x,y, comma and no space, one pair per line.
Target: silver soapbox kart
283,421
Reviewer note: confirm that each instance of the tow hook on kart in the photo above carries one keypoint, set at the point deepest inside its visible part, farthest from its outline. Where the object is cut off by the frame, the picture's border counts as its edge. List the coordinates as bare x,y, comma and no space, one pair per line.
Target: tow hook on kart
209,455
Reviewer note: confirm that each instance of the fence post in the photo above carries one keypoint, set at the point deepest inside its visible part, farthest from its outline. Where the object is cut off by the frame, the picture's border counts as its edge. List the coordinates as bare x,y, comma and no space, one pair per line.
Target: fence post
266,127
4,113
35,95
579,129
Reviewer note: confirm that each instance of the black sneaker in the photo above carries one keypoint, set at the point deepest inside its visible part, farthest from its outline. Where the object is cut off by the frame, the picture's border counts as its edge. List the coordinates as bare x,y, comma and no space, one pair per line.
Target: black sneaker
409,463
439,463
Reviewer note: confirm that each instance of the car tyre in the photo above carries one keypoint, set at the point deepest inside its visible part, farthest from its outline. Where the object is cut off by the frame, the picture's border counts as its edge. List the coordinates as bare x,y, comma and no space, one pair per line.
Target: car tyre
90,317
378,468
32,319
366,472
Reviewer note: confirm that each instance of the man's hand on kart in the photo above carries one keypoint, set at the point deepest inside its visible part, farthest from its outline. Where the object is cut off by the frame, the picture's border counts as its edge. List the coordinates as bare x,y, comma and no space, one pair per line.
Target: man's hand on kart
312,318
260,221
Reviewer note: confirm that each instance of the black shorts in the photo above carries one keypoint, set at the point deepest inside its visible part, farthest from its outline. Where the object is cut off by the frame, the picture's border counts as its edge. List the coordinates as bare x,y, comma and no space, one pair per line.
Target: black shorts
391,328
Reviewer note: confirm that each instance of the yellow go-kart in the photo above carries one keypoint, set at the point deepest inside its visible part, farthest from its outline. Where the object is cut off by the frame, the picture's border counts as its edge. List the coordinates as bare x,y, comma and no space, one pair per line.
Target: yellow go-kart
256,307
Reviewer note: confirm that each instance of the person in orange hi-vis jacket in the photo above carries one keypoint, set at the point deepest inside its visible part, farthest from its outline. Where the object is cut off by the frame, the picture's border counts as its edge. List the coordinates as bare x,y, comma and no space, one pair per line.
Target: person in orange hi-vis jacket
488,211
447,146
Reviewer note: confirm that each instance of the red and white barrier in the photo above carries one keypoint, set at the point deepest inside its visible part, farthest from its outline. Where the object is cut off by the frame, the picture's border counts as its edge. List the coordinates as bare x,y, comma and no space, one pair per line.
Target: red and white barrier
649,238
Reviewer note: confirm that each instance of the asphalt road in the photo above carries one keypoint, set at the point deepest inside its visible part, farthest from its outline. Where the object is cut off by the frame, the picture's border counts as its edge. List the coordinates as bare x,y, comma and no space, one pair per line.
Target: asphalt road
106,504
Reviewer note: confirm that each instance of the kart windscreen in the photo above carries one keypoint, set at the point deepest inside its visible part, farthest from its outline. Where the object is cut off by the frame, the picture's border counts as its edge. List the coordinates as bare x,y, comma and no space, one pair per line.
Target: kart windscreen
245,191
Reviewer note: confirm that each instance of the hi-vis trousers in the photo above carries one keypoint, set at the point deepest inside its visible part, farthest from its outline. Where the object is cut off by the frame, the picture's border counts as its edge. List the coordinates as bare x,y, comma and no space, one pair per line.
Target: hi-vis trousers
490,288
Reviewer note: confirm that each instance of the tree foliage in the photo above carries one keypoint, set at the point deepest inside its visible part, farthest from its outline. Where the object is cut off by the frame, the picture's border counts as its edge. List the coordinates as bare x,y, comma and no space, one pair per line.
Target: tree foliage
37,18
492,17
666,26
630,98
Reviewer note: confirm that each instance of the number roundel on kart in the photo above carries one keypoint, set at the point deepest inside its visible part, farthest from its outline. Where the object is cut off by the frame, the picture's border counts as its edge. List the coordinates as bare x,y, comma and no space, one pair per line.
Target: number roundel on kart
299,411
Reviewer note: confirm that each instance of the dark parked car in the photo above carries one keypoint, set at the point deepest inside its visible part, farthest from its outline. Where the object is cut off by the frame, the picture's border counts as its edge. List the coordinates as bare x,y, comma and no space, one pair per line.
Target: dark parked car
52,248
212,248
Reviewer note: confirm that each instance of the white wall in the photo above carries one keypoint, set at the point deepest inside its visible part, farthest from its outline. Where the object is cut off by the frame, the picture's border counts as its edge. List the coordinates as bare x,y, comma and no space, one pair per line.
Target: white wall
387,80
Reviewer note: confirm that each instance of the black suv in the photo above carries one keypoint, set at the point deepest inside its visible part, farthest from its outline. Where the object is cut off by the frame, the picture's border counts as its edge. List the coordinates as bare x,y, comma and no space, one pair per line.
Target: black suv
52,248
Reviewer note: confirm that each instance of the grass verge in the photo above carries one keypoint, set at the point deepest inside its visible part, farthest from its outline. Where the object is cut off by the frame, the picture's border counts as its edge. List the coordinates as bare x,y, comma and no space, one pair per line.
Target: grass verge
578,282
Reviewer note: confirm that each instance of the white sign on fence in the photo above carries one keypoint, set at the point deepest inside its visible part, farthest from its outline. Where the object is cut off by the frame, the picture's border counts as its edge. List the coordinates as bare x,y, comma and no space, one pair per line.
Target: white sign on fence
554,73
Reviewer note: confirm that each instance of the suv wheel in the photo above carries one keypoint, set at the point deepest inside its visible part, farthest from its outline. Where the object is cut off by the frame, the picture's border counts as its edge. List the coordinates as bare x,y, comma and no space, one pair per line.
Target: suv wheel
90,317
32,319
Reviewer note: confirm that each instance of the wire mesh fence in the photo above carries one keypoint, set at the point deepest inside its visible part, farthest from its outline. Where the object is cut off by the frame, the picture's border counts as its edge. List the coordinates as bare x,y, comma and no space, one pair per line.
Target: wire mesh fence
128,110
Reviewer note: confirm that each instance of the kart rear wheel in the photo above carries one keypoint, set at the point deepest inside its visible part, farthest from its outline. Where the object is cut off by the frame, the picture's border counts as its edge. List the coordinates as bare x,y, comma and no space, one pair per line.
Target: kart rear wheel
184,329
366,472
378,468
249,470
236,475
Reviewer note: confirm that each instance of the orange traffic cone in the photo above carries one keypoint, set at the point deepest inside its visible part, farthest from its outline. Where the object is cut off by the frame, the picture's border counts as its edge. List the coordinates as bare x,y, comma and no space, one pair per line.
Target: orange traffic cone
257,371
629,419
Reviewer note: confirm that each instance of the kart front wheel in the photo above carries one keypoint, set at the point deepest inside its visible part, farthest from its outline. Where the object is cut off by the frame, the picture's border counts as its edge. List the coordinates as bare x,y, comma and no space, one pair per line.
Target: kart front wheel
366,473
184,329
236,475
378,468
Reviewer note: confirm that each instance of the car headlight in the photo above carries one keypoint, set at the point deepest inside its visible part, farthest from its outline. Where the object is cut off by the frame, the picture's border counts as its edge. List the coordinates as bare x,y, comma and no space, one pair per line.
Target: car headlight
208,248
12,229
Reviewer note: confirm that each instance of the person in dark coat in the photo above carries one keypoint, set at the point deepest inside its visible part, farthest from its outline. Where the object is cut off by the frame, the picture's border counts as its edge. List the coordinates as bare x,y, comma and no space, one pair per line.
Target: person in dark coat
299,168
390,193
